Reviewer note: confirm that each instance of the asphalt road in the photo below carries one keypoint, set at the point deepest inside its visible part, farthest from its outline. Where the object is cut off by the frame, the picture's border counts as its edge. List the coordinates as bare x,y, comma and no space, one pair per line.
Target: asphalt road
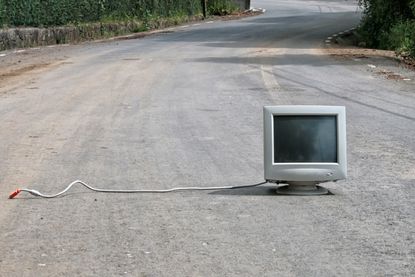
184,108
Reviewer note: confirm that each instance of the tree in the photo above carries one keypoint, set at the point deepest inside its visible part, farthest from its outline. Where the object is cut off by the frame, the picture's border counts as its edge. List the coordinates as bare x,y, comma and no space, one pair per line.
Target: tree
389,24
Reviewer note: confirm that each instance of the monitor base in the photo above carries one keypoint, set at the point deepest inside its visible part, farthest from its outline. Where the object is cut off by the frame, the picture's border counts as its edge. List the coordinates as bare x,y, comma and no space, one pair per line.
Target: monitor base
302,189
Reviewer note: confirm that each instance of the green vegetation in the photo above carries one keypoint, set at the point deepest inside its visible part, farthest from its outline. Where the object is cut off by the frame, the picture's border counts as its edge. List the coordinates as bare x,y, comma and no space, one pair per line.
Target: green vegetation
72,21
2,13
402,38
45,13
389,24
221,7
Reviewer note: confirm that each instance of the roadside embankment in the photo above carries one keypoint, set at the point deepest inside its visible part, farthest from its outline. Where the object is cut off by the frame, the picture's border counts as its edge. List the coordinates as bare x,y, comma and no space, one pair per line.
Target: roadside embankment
38,23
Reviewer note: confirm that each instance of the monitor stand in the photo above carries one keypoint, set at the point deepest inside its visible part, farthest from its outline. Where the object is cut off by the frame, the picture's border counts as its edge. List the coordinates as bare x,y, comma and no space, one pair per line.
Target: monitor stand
302,188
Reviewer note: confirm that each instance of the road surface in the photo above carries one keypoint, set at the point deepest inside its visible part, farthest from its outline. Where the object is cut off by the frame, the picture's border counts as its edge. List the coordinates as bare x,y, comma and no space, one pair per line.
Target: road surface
184,108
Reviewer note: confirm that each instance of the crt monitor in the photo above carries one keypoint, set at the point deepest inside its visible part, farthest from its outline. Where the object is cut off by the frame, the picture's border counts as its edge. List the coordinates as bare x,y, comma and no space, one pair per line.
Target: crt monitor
304,146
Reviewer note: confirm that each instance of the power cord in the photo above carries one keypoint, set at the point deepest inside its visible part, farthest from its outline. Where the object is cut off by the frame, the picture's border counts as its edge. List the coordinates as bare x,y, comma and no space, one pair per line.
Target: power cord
37,193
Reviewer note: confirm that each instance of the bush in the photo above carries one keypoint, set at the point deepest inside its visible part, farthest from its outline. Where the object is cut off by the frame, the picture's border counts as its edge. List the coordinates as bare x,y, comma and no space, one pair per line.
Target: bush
380,16
62,12
388,24
402,38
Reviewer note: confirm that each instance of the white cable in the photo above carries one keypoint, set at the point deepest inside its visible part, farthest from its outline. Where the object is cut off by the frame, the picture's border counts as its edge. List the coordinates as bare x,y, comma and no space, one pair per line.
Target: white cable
37,193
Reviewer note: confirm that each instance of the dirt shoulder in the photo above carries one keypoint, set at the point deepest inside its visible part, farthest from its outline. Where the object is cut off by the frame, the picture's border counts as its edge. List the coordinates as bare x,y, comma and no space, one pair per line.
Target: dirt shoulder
383,63
21,66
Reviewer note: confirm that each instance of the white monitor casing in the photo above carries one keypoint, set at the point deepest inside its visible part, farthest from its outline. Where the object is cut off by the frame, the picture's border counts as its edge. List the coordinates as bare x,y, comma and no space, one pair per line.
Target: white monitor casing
304,172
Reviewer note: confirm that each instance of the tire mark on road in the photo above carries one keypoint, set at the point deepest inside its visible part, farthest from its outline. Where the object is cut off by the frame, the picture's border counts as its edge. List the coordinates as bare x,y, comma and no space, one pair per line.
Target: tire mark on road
272,85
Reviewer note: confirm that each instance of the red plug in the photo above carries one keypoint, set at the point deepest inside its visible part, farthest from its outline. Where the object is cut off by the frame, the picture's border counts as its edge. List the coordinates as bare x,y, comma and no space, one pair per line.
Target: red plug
14,194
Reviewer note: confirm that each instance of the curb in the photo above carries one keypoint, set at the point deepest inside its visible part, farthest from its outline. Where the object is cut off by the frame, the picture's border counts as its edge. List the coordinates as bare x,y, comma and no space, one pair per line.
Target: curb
333,38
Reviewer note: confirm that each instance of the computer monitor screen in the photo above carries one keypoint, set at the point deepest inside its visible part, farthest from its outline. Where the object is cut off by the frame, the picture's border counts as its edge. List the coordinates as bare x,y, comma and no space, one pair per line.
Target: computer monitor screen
305,139
305,143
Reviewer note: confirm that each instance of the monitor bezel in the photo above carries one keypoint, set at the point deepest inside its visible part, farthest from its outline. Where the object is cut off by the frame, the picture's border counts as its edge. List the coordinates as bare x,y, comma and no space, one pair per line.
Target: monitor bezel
307,171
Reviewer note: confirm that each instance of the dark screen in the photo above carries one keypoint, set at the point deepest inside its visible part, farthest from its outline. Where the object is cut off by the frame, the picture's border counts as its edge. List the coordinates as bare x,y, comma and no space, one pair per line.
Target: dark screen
305,138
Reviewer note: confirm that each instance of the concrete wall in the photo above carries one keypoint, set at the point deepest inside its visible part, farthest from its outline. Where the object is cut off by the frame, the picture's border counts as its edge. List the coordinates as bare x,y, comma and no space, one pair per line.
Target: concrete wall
31,37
